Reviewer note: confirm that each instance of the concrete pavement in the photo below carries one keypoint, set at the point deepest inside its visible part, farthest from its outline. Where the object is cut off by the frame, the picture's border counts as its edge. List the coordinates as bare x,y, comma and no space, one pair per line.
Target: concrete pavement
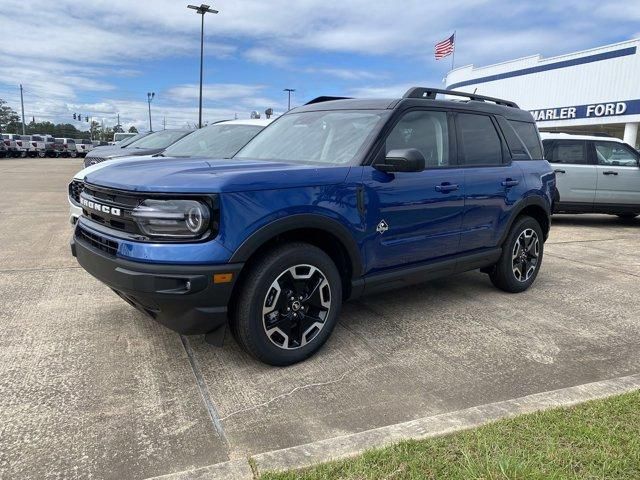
91,388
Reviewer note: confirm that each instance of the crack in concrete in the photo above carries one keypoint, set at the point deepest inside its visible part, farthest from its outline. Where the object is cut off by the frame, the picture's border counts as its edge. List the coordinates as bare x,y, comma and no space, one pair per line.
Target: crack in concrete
204,391
288,394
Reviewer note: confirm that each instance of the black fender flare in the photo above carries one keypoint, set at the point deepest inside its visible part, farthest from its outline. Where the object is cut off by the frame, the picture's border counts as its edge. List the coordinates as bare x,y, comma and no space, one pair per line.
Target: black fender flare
520,206
296,222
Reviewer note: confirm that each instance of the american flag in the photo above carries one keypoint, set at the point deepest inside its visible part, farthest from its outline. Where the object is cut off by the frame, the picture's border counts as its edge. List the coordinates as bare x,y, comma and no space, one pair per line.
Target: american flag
445,47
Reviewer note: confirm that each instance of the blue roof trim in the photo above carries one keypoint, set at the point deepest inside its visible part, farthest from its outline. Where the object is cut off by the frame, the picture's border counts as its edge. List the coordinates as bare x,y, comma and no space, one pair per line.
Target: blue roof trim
544,68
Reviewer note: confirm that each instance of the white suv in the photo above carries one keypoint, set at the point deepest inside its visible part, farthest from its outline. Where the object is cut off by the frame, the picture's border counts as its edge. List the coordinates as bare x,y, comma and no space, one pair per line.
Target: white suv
595,174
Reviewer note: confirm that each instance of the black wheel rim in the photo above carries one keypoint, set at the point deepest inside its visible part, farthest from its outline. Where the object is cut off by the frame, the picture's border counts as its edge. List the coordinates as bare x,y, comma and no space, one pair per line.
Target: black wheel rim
525,255
296,307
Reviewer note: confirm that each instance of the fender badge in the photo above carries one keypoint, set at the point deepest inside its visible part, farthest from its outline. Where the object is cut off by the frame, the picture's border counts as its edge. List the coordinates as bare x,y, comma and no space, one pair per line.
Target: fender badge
382,227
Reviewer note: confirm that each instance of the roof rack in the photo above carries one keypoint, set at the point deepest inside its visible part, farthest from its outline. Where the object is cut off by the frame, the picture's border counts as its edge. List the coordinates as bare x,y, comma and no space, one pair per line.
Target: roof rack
430,93
325,98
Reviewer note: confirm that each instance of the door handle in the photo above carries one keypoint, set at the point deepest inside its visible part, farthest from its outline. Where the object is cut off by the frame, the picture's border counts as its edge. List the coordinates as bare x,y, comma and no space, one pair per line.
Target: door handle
559,170
446,187
609,172
510,182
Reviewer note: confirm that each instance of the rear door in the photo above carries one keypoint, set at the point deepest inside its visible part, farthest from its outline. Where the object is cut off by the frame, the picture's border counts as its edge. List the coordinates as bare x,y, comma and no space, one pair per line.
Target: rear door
492,182
618,174
576,175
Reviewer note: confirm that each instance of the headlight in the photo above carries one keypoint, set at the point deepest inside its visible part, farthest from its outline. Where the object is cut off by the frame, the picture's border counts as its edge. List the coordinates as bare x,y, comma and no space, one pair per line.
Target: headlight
172,218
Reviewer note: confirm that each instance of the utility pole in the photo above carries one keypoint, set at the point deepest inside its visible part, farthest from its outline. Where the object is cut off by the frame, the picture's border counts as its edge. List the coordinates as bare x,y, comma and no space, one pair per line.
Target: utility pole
201,10
22,104
289,90
150,96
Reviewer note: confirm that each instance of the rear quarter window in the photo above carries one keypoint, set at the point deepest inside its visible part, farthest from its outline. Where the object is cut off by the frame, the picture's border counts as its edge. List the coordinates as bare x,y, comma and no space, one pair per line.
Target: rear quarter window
528,133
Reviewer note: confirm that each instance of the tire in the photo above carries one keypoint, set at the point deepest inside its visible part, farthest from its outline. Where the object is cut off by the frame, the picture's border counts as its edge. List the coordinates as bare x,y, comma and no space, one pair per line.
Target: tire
518,267
73,154
264,327
627,216
42,154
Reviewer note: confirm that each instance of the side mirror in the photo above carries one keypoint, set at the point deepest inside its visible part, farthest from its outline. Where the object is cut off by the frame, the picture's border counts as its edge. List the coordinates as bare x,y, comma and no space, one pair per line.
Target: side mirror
402,160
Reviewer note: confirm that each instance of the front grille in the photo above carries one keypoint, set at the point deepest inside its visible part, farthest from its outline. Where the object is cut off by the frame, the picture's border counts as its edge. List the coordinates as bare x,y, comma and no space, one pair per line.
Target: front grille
88,161
75,189
111,198
97,241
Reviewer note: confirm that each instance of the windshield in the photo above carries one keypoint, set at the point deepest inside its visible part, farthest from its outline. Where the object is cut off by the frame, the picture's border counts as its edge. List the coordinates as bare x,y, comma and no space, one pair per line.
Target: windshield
130,140
161,139
215,141
332,137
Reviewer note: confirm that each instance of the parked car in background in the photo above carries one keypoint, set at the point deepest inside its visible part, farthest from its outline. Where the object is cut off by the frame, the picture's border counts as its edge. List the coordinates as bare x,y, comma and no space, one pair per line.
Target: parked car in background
334,200
4,150
148,145
44,145
221,140
10,143
67,147
119,136
595,174
84,146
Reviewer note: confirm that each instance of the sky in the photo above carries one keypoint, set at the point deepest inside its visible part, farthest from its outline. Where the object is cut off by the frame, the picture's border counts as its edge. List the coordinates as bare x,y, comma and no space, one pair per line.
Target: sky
100,58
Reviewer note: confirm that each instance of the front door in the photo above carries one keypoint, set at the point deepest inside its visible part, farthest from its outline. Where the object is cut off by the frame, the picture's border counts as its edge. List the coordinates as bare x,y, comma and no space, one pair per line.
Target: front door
413,217
618,174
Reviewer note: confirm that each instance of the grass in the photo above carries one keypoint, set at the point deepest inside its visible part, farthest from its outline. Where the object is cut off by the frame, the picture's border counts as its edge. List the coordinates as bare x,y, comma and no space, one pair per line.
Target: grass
594,440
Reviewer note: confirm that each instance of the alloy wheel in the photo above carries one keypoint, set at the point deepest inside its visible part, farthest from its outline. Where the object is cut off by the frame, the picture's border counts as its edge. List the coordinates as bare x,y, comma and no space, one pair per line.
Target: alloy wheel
525,255
296,306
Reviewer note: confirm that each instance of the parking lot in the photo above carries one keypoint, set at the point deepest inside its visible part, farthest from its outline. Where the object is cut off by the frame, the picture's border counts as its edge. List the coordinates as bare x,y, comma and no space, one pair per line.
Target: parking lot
91,388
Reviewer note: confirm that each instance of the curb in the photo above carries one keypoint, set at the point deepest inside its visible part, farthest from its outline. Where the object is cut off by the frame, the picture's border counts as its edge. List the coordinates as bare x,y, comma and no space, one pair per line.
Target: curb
353,444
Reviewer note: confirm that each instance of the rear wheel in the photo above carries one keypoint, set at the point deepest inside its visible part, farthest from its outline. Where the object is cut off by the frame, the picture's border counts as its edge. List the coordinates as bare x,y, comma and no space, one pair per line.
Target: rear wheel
288,304
74,154
521,257
42,154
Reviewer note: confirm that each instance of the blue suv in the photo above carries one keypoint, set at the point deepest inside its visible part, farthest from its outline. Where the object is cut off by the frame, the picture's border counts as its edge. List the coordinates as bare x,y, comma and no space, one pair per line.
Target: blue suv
336,199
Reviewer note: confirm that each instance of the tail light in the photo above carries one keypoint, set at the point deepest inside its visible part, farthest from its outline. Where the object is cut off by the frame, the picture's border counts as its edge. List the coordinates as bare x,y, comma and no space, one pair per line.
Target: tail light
64,145
7,143
19,143
34,144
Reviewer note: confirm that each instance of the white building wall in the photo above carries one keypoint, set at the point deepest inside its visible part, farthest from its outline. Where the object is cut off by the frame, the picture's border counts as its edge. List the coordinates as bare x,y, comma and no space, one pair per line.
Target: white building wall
602,81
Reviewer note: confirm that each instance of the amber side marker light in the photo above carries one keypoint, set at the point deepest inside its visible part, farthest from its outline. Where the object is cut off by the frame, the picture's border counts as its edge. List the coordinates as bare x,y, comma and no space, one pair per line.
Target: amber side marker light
222,277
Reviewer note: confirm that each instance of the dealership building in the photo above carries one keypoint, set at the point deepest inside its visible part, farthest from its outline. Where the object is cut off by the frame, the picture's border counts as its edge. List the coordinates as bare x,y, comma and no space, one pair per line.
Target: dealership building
592,91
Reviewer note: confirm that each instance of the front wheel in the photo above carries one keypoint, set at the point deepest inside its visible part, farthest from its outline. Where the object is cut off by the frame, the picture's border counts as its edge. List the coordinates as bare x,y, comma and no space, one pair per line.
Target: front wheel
521,257
288,305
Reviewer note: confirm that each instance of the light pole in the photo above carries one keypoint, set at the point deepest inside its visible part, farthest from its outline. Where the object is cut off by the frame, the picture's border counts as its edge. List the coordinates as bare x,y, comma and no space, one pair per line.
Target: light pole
289,90
150,96
201,10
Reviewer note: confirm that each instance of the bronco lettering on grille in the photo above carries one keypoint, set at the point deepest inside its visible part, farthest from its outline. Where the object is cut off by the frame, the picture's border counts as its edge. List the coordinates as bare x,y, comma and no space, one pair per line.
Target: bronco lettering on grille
100,208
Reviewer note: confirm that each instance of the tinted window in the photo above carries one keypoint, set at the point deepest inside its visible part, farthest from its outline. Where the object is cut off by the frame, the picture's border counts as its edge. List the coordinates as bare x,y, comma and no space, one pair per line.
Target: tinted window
569,152
528,133
424,131
479,140
615,154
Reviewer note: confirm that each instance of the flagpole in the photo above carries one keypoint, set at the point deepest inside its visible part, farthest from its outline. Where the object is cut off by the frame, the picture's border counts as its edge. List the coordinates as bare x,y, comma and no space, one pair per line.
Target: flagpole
453,54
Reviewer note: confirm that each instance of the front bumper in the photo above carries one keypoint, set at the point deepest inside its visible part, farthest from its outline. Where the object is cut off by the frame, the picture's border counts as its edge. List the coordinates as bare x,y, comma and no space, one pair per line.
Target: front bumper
183,298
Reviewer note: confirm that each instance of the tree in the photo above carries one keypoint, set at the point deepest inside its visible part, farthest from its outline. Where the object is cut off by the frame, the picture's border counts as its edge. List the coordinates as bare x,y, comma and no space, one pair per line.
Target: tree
133,129
9,119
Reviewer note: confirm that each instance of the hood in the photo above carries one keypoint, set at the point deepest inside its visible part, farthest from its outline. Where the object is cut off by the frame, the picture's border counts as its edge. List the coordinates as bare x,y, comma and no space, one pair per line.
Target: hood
199,175
97,166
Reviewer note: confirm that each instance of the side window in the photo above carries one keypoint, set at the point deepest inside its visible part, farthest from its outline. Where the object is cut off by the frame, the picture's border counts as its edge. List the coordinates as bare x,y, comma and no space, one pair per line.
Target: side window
424,131
479,140
614,154
528,133
569,152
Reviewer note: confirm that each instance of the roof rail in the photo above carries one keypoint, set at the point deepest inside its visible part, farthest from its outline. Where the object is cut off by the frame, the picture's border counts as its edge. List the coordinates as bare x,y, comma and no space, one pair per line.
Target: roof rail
325,98
430,93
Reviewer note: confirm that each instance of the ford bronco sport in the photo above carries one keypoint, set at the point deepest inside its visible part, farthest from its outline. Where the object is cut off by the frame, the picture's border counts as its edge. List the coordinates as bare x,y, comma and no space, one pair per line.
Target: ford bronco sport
335,199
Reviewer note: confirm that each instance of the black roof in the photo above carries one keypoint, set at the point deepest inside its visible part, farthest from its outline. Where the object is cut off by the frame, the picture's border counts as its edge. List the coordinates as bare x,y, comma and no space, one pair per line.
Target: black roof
419,96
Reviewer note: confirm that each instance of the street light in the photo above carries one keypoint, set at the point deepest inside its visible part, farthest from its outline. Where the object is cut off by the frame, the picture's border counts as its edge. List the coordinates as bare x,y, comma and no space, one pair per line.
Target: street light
201,10
289,90
150,96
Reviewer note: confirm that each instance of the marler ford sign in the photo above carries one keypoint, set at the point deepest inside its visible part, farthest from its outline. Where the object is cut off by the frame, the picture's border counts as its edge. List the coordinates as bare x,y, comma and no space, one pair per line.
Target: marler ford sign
594,110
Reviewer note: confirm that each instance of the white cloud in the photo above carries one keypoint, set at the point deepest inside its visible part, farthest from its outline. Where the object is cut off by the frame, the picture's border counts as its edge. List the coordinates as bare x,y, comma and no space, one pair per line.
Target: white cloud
266,56
212,91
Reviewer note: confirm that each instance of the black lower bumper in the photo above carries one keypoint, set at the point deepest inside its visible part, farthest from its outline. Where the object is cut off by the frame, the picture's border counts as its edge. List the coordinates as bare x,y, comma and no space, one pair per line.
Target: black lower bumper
181,297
